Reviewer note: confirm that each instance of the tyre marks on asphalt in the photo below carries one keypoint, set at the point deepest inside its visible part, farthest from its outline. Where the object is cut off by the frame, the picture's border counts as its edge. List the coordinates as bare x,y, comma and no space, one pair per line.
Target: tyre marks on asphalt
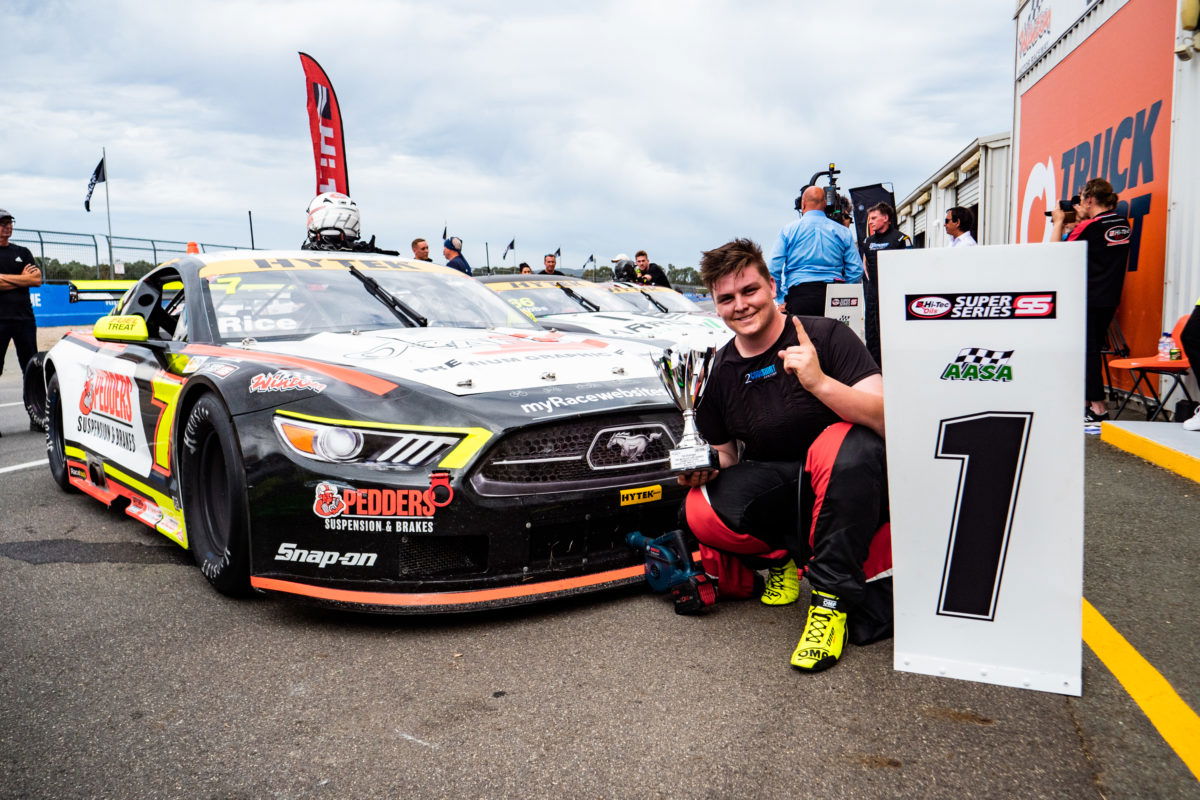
73,551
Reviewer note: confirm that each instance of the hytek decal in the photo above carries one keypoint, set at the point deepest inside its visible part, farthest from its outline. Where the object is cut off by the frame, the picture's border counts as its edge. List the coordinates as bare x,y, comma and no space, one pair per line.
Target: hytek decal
285,381
982,305
979,364
323,558
345,508
632,445
642,494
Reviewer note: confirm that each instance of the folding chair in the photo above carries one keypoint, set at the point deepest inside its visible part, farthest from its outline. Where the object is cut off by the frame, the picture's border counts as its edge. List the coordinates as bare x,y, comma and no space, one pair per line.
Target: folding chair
1145,366
1115,346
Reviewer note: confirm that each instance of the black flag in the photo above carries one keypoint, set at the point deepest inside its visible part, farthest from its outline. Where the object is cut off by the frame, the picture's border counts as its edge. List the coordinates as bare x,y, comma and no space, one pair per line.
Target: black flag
511,246
591,260
444,229
98,176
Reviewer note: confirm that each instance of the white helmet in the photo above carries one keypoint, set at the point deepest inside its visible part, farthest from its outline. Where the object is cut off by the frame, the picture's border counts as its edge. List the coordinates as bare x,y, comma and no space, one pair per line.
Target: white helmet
332,214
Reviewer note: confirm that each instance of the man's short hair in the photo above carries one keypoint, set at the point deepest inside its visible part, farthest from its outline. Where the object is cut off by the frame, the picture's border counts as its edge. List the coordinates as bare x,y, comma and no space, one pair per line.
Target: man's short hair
416,242
730,258
962,217
549,255
885,209
641,253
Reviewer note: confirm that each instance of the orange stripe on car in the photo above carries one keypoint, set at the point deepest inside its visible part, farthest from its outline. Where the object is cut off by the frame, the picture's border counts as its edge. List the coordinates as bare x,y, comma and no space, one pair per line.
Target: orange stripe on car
344,374
420,599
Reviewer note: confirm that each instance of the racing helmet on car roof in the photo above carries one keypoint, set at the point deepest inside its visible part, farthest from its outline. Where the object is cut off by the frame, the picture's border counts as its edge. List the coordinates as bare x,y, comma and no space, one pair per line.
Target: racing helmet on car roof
333,214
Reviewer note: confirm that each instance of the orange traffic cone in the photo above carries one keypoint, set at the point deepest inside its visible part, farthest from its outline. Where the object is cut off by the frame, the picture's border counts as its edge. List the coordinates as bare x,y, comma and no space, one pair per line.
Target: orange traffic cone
192,247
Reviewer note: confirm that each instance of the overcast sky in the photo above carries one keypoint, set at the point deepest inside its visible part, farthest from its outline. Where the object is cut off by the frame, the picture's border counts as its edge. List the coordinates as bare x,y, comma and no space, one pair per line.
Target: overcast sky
668,126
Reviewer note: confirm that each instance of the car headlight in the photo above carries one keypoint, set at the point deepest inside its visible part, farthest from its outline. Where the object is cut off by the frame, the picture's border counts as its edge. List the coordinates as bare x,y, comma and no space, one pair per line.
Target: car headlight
377,444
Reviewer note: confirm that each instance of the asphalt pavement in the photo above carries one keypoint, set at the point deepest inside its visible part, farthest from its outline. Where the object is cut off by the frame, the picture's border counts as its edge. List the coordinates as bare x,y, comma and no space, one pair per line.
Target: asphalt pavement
122,674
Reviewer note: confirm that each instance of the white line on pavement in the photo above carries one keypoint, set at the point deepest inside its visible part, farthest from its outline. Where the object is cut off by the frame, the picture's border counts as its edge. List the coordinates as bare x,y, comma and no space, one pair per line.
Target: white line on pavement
26,465
6,405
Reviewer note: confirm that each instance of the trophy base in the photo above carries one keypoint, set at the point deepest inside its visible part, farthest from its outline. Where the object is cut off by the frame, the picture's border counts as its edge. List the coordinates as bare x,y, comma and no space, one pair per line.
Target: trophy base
689,459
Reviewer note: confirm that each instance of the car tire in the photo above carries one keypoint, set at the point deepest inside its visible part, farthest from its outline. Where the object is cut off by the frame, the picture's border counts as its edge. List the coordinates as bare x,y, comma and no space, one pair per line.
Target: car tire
34,393
213,491
56,451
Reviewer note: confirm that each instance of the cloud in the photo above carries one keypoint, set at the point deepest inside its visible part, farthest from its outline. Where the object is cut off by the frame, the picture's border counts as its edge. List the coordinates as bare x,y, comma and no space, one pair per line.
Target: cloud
616,126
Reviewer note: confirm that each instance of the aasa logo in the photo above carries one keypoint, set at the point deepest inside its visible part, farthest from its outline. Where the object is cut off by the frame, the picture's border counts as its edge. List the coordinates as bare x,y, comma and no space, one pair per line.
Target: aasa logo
979,364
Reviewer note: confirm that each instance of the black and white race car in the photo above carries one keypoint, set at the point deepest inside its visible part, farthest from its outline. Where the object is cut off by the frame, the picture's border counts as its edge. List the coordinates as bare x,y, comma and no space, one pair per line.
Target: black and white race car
362,430
657,300
566,303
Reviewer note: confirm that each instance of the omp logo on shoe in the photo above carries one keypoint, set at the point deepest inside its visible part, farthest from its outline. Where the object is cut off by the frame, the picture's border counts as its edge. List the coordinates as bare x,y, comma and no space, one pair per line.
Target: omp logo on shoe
981,305
642,494
108,394
383,510
323,558
979,364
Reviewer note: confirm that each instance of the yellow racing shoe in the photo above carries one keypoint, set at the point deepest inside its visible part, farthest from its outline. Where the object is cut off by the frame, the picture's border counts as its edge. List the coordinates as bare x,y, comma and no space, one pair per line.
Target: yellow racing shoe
824,635
783,585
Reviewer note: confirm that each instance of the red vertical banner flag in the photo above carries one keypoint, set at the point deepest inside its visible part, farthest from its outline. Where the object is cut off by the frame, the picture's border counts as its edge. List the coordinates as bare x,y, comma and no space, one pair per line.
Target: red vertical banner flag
325,125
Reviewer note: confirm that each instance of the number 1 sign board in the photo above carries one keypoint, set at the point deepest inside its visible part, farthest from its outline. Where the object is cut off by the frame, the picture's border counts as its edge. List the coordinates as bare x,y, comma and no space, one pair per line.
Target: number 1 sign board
983,394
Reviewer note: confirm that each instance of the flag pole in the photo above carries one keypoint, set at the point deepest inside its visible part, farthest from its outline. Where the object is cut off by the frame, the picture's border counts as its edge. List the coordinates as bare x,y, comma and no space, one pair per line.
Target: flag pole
250,215
488,254
107,213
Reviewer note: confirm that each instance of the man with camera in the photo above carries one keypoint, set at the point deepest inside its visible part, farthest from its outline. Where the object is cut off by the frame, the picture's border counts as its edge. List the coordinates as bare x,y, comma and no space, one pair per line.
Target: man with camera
811,253
1107,234
794,408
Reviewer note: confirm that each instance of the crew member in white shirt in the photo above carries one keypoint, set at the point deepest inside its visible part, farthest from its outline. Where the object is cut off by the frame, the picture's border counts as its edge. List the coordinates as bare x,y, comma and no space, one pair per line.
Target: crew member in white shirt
958,227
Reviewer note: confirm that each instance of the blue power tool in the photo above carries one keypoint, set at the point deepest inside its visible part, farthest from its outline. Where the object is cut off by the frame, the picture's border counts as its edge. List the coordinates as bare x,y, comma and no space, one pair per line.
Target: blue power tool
669,568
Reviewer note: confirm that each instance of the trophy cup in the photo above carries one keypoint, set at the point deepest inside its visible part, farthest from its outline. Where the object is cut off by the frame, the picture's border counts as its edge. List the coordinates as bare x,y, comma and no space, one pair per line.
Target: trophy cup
684,373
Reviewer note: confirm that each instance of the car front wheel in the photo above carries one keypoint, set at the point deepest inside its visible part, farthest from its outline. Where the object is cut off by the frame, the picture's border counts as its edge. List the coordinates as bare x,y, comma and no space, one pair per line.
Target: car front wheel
213,488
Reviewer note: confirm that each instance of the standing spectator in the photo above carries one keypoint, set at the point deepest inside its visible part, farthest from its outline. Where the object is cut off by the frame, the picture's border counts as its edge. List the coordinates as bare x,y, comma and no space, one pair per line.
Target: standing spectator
882,234
452,250
649,274
18,271
525,269
420,249
549,264
1107,235
811,252
958,227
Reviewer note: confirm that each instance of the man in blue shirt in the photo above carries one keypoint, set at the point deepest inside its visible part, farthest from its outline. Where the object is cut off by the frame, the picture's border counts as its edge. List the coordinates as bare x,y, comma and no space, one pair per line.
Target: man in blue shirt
452,250
811,252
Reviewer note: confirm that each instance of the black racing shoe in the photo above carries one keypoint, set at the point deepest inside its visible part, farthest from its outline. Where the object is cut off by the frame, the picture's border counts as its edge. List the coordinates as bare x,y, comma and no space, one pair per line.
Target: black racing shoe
1092,418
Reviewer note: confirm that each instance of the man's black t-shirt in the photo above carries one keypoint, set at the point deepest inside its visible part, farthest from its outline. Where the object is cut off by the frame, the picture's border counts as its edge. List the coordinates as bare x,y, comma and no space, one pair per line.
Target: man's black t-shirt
14,303
754,401
653,276
1107,236
891,240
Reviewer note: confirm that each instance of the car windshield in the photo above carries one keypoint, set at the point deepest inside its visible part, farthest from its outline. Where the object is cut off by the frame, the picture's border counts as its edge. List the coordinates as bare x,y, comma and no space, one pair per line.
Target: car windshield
542,298
637,299
281,303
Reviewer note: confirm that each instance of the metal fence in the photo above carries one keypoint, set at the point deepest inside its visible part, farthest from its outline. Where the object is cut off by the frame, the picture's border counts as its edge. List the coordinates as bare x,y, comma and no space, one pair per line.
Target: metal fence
64,255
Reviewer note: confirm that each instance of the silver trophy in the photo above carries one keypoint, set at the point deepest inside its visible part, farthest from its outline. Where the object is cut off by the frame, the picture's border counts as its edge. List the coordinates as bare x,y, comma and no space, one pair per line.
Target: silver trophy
684,373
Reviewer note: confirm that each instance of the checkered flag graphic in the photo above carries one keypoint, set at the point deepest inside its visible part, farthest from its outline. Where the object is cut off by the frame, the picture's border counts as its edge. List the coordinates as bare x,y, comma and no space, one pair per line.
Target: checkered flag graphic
981,356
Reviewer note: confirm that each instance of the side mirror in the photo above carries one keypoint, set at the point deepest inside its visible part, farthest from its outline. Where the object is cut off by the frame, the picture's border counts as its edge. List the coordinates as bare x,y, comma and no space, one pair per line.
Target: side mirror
131,328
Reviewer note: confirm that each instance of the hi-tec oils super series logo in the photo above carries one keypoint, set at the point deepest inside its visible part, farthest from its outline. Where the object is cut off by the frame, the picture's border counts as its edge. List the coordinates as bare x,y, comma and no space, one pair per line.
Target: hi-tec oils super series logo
344,508
982,305
106,408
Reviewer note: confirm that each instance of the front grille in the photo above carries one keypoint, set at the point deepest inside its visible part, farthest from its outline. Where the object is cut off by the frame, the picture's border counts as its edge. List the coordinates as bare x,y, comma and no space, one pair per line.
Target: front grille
603,447
431,556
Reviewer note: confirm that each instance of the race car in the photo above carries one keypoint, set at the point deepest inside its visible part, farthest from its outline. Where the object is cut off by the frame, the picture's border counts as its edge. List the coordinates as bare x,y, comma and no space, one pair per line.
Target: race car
657,300
364,431
565,303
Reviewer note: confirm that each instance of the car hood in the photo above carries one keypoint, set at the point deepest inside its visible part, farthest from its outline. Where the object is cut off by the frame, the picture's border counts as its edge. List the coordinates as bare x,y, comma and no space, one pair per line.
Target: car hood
468,362
691,330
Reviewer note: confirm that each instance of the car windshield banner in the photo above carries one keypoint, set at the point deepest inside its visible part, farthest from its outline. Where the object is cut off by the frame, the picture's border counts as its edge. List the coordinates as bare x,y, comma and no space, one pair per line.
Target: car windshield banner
325,125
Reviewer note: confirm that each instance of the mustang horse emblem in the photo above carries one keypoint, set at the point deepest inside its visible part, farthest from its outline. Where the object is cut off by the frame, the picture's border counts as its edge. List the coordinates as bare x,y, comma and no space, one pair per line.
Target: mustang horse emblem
632,445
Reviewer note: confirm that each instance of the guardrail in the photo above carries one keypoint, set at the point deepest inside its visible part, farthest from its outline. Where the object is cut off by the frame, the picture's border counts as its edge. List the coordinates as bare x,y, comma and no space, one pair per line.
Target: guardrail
73,256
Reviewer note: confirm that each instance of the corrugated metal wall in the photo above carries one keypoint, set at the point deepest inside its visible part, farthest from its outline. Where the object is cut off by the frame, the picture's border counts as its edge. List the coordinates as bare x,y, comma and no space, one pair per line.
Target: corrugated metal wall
968,191
996,195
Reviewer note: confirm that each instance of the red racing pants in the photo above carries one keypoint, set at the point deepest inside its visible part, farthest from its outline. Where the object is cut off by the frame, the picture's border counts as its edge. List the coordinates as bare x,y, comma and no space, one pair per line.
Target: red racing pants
830,514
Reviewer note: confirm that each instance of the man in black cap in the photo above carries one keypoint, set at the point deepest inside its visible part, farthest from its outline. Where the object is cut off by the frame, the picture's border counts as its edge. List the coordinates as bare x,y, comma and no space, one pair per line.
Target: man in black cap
452,250
18,272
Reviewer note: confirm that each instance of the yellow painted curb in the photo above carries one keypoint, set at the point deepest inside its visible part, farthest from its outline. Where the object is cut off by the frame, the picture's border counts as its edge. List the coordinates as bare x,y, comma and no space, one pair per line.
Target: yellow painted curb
1174,719
1165,457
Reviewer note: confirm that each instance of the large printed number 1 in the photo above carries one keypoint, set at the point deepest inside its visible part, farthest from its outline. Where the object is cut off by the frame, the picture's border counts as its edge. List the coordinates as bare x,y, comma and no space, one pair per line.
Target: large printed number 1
991,447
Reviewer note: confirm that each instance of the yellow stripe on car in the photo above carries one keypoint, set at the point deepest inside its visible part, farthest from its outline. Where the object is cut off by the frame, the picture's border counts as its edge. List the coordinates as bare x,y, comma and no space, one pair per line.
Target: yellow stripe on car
171,525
